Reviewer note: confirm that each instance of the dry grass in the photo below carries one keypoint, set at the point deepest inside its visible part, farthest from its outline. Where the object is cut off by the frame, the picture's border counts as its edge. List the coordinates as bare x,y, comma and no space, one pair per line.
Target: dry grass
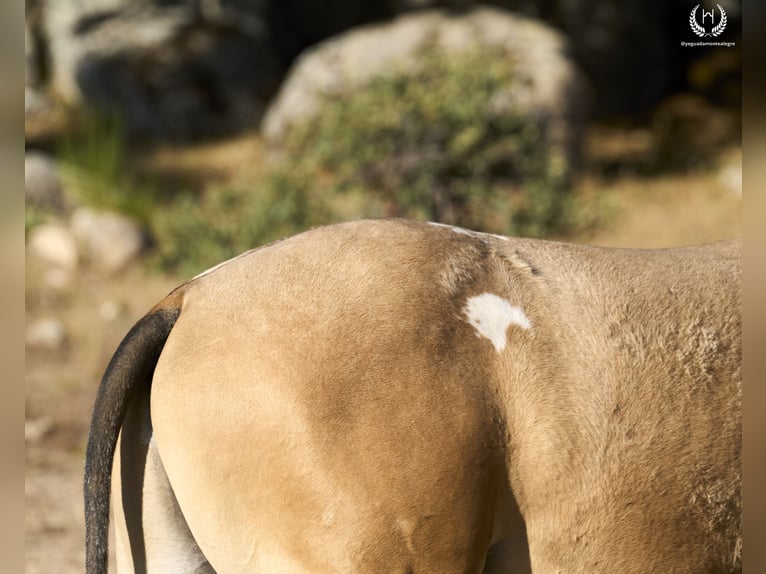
668,211
238,160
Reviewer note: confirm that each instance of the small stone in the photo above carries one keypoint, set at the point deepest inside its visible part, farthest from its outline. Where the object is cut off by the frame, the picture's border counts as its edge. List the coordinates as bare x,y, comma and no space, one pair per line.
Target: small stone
730,176
110,241
47,334
54,244
41,181
36,430
58,278
111,310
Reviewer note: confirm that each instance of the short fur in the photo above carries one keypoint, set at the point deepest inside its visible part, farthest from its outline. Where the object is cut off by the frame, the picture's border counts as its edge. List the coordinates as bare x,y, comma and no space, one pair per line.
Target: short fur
323,404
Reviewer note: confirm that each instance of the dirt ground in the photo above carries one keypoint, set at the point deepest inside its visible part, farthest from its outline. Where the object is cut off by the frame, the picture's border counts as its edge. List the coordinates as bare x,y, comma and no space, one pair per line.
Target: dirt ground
96,311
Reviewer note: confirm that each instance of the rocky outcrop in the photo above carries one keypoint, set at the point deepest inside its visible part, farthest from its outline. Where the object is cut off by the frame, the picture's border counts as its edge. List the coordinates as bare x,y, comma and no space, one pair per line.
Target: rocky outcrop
172,70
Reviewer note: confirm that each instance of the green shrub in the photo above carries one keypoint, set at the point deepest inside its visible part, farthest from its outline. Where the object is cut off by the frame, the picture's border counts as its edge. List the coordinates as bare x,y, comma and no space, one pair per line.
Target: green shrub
194,234
434,144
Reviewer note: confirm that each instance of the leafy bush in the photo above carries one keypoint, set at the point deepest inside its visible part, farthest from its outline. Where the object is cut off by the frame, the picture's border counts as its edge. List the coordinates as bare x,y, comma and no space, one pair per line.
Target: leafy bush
192,234
436,143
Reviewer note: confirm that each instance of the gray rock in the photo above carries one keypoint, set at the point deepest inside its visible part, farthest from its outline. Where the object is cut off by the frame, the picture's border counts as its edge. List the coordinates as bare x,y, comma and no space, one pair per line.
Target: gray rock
58,278
46,334
172,70
112,309
730,176
36,430
109,241
547,84
54,244
67,29
42,183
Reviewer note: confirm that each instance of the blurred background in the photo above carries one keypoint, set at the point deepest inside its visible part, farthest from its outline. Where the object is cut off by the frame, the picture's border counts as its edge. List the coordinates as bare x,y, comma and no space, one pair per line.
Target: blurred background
163,136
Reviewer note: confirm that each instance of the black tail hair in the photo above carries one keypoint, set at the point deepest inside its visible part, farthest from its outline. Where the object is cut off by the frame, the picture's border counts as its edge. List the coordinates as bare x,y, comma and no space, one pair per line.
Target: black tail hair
131,368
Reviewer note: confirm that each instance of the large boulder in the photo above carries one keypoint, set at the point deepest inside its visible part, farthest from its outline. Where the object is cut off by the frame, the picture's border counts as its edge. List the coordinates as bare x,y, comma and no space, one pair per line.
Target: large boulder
546,85
171,69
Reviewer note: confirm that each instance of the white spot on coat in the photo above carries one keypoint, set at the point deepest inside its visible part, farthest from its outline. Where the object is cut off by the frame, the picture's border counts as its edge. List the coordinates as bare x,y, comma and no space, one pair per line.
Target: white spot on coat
491,316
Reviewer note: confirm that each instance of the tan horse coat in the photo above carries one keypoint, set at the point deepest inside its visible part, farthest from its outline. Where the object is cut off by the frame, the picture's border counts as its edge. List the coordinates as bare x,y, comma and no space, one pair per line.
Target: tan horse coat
393,396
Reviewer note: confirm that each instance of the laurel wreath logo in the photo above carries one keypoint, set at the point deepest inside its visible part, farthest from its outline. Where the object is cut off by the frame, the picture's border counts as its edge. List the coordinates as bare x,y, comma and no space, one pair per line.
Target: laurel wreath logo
716,31
700,30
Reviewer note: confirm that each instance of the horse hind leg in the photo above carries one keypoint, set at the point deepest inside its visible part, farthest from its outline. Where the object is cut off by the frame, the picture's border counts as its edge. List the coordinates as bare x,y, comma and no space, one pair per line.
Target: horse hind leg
151,534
